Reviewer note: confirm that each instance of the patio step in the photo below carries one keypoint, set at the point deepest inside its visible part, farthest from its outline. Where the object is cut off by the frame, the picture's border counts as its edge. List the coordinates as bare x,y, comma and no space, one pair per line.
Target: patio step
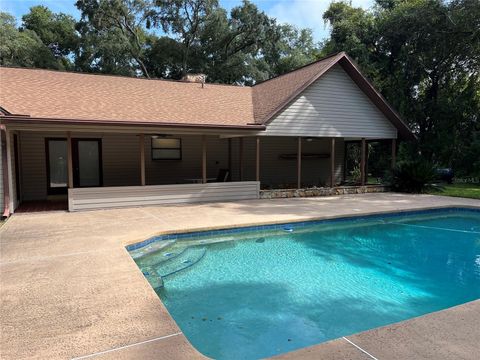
188,257
155,246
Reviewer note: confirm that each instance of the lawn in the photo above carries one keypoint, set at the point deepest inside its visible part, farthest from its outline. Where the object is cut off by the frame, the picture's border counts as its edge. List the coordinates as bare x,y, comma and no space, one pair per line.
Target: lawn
459,190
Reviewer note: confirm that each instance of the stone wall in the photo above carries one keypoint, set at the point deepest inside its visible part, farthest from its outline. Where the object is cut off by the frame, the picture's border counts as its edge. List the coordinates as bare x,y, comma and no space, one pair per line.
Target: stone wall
324,191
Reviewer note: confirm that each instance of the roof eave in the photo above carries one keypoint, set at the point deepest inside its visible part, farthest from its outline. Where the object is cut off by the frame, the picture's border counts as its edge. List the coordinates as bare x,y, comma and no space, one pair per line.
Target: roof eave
65,121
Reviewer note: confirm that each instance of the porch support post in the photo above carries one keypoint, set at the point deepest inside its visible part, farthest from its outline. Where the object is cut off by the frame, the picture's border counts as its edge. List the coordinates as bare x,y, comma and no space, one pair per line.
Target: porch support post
240,158
229,177
332,164
9,153
69,160
257,168
299,163
204,159
394,152
141,139
363,162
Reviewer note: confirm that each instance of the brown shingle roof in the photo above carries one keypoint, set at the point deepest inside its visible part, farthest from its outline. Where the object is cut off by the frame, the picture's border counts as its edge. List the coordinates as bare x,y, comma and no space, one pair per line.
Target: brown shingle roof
106,99
65,95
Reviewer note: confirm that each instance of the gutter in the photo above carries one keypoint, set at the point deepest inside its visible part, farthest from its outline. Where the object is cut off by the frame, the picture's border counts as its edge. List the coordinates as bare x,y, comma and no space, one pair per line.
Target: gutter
6,119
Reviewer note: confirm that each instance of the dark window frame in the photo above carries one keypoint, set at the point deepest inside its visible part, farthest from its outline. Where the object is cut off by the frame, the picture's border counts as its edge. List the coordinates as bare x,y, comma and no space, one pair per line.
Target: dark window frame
152,148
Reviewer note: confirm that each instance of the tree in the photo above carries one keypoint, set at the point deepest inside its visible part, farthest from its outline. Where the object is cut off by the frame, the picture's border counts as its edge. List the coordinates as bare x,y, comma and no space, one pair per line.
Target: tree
57,31
424,56
121,19
185,19
288,48
23,47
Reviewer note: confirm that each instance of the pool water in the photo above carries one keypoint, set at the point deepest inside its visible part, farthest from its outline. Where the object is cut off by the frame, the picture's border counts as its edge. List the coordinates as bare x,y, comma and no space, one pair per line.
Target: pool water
259,293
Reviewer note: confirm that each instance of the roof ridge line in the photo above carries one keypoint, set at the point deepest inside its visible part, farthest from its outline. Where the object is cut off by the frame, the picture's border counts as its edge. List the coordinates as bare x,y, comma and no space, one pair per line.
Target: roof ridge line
116,76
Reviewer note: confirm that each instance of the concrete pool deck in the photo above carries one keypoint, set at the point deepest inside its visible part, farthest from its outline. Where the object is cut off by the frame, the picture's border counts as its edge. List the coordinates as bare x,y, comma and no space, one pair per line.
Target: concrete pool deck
70,289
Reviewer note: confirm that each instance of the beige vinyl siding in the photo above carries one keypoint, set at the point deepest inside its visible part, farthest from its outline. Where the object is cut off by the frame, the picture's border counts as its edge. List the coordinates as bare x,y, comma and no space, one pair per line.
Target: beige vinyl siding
2,188
13,195
159,172
275,171
121,161
333,106
34,173
120,157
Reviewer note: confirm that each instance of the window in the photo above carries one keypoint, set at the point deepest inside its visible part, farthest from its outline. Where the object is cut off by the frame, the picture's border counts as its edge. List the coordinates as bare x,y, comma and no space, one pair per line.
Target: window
166,149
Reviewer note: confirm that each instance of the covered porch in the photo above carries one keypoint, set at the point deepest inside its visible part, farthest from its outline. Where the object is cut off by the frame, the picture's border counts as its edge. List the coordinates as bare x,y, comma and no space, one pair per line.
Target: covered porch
96,168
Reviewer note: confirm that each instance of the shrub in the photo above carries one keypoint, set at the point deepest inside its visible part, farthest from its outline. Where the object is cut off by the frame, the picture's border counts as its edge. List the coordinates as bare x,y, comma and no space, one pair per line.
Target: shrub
356,175
413,176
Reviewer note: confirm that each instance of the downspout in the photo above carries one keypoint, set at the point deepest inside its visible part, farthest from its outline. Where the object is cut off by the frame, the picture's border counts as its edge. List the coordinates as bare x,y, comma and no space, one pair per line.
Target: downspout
6,188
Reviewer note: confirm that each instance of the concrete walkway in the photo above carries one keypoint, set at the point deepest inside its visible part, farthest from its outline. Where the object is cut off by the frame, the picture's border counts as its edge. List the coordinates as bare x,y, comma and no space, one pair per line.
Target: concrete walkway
70,289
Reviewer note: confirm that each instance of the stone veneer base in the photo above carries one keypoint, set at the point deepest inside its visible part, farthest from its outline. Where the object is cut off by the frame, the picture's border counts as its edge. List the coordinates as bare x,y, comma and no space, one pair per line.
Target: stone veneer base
323,191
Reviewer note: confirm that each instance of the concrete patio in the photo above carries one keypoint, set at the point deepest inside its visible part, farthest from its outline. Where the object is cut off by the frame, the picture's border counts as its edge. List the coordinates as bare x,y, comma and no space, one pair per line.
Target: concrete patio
70,289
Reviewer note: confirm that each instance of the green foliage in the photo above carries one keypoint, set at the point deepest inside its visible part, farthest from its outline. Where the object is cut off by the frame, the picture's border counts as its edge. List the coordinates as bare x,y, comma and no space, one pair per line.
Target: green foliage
23,47
122,37
117,27
412,176
57,31
424,56
356,175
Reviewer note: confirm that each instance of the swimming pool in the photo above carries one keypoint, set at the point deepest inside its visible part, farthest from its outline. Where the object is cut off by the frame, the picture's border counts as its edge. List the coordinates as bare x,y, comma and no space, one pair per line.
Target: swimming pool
259,291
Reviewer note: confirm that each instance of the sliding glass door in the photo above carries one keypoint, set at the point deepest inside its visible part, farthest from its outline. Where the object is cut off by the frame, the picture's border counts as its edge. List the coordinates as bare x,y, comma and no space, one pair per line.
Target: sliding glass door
87,162
57,173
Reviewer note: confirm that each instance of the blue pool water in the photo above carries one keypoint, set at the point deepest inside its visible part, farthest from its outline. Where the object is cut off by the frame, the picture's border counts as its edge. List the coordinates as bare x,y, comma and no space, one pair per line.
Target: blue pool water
258,293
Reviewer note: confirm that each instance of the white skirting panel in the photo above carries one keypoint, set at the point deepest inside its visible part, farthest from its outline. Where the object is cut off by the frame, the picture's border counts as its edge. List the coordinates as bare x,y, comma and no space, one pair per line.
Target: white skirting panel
127,196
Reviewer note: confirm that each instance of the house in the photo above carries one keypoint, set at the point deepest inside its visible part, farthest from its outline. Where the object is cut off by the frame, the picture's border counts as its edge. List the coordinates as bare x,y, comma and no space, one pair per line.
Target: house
110,141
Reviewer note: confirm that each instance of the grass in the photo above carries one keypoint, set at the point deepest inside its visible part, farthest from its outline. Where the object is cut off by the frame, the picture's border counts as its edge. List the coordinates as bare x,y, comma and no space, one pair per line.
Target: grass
471,191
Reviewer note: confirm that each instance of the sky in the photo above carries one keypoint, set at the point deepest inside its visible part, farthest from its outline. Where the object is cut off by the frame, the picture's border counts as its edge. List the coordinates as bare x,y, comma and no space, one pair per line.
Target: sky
302,13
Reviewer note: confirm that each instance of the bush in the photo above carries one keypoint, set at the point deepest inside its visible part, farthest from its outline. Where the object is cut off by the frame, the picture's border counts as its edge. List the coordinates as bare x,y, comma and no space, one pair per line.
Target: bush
413,176
356,175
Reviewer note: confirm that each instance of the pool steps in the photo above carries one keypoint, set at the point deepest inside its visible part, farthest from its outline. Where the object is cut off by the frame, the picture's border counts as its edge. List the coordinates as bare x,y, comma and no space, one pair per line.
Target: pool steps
152,277
152,247
165,257
185,259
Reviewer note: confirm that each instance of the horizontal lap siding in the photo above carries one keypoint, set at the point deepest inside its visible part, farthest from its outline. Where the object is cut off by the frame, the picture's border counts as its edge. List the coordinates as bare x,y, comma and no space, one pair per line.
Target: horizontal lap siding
160,172
121,160
92,198
120,156
33,165
2,187
333,106
275,171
